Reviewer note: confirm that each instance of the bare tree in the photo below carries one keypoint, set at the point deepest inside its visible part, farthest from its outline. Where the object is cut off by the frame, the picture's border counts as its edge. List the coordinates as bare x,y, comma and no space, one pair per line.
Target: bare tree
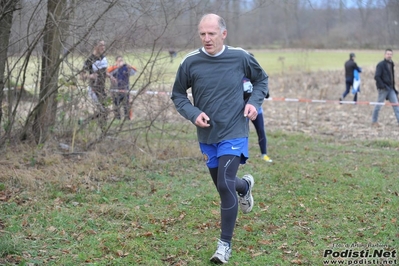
392,19
364,7
8,7
43,115
54,38
47,108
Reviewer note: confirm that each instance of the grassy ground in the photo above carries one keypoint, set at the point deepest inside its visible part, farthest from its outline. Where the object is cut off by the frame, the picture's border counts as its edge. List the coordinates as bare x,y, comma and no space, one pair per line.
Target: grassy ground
122,209
286,61
276,61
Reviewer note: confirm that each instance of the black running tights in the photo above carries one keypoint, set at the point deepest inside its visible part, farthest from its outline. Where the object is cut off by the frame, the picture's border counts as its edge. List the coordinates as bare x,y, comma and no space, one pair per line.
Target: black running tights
228,184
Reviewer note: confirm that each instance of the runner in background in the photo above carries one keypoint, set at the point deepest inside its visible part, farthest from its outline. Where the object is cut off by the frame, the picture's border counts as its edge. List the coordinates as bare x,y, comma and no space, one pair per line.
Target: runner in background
261,132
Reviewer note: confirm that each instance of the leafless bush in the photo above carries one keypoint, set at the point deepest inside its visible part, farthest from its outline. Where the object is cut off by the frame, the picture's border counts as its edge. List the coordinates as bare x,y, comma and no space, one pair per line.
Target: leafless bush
51,39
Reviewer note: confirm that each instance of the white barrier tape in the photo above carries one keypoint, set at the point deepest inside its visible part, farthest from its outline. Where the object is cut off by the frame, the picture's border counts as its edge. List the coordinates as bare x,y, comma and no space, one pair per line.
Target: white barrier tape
13,88
329,101
319,101
282,99
146,92
291,100
275,99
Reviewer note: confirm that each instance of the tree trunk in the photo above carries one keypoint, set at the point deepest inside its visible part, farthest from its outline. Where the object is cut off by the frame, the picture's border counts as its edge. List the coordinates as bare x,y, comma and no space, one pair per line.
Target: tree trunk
8,8
392,8
52,47
235,19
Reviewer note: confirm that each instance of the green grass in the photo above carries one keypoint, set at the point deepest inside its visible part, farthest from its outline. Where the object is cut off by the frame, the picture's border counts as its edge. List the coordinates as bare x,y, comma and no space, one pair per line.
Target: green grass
118,211
286,61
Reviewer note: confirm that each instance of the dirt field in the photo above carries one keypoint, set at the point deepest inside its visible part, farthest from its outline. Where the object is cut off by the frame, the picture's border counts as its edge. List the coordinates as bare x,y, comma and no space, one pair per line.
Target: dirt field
343,121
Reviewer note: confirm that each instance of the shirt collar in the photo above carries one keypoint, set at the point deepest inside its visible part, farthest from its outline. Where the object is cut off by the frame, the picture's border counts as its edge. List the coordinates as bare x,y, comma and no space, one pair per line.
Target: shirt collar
215,55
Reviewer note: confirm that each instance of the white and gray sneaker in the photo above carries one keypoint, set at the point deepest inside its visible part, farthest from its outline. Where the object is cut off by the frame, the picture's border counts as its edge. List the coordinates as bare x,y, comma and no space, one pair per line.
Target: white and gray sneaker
222,254
247,201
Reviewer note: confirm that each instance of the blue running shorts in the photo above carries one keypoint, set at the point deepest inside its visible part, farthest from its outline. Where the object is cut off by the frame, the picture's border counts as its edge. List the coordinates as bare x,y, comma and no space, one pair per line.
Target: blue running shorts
237,147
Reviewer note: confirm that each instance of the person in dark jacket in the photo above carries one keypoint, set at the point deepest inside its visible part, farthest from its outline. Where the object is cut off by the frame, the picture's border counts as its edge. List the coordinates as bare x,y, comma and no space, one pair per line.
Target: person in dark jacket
350,66
120,85
95,72
385,81
259,125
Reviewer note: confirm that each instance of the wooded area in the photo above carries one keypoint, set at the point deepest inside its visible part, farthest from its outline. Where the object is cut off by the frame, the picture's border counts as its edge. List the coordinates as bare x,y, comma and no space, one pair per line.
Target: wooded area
51,37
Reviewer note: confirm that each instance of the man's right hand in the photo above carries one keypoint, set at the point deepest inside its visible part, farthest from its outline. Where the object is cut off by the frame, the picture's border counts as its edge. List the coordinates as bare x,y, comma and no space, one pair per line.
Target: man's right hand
202,120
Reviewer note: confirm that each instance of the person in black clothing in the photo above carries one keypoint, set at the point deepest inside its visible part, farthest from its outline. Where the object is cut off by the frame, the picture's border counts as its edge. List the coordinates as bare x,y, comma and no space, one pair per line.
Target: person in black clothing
350,66
385,82
259,125
172,54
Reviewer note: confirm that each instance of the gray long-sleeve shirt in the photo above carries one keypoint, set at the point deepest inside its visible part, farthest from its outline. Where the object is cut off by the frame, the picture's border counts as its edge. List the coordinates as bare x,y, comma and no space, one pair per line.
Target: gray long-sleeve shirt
217,89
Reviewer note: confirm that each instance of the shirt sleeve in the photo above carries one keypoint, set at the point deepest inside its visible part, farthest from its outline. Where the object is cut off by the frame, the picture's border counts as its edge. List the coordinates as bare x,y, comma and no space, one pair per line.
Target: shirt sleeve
358,68
132,70
112,69
259,80
180,98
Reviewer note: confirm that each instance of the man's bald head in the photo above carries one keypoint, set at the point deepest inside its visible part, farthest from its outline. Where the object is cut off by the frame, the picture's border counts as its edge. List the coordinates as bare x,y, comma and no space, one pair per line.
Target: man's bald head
219,19
212,31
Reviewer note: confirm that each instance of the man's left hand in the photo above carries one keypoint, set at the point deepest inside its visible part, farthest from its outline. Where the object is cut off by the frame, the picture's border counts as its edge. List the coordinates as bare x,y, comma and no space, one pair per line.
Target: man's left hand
250,111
